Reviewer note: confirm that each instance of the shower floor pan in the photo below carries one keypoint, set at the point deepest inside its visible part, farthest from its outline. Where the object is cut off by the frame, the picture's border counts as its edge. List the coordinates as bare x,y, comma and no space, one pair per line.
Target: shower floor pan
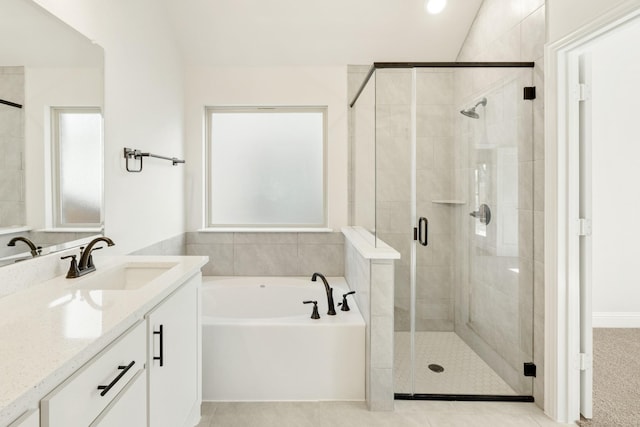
464,374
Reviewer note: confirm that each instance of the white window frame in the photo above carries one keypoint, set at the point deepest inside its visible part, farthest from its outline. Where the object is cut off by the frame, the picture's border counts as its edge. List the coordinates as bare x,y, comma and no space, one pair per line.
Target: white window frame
56,206
209,224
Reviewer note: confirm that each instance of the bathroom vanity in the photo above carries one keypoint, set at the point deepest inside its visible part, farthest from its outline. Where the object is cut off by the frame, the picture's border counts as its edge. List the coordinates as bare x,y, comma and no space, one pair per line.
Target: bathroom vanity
120,346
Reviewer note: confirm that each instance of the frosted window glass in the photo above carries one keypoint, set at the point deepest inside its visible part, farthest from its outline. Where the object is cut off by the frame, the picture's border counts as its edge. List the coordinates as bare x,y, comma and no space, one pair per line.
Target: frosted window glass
266,168
79,168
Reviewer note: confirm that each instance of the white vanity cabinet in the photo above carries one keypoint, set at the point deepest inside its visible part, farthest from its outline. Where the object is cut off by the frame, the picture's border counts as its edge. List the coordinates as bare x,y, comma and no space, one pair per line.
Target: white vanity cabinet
79,400
173,362
140,365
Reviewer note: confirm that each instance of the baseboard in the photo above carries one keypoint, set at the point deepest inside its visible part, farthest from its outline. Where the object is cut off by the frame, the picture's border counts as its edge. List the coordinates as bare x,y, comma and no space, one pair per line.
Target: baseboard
616,320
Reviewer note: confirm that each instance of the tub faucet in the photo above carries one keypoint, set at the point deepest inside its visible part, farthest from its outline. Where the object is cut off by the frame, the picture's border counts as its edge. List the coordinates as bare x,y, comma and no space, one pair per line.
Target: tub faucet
329,290
35,250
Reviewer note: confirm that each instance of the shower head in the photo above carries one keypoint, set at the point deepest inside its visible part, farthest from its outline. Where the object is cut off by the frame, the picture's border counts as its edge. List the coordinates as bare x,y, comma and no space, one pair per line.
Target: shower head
471,112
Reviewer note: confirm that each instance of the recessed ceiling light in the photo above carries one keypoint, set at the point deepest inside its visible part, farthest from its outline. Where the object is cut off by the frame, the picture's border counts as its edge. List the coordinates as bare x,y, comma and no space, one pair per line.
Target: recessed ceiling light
435,6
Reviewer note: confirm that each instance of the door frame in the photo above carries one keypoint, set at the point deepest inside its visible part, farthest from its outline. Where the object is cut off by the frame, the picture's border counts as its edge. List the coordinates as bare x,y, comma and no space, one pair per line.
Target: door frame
562,189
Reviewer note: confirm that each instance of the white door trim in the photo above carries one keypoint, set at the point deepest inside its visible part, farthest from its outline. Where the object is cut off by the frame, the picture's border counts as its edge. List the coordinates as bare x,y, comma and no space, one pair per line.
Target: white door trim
562,295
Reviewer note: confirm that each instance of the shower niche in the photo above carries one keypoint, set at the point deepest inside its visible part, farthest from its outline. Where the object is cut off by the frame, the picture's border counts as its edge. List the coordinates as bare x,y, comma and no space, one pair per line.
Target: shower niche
451,144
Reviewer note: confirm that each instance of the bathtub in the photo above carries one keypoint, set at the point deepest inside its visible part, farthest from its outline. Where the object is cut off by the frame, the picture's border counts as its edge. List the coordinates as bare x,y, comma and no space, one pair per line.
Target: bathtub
260,344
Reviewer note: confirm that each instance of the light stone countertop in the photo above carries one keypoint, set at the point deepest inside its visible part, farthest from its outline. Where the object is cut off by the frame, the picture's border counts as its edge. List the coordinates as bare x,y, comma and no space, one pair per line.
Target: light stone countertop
50,330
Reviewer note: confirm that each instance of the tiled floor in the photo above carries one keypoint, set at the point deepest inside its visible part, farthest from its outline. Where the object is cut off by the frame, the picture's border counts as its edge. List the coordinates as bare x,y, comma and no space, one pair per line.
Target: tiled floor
355,414
464,371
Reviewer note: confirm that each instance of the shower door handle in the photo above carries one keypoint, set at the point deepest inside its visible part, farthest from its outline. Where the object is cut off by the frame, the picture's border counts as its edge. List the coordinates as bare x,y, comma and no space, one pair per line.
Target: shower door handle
423,233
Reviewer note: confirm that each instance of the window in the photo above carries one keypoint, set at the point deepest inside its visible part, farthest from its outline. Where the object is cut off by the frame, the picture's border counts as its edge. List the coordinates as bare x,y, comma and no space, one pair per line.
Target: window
266,166
77,167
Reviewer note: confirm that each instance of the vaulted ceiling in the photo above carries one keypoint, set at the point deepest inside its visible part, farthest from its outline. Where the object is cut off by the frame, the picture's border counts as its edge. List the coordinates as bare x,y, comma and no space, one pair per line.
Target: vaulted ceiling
30,36
320,32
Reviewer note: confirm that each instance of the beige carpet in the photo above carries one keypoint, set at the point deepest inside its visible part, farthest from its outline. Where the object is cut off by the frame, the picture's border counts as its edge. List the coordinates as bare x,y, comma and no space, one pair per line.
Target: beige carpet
616,378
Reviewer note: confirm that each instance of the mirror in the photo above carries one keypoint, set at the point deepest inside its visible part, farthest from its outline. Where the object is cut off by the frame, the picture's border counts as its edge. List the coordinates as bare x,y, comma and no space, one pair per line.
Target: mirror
51,156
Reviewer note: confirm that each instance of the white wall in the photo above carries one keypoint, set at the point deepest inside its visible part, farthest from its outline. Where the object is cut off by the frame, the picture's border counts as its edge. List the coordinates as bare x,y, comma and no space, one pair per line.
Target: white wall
46,88
566,16
616,152
249,86
143,109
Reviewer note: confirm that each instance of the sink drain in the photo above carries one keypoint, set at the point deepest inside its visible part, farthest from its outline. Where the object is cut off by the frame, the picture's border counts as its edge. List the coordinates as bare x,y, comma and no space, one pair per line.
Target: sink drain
436,368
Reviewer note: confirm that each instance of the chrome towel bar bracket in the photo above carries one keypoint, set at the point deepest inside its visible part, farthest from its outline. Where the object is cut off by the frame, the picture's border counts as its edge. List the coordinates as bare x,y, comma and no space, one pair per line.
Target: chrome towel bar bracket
130,153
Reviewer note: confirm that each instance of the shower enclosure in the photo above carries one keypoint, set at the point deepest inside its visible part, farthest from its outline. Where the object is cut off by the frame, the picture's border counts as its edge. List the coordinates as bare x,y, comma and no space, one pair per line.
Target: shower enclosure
441,158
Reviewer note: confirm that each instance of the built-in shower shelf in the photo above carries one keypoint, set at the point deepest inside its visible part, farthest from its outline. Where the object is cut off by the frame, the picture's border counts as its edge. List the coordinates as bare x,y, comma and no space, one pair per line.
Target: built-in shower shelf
449,202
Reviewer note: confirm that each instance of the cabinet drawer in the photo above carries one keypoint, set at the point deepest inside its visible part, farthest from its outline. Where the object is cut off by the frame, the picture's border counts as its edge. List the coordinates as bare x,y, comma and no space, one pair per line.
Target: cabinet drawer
129,408
78,400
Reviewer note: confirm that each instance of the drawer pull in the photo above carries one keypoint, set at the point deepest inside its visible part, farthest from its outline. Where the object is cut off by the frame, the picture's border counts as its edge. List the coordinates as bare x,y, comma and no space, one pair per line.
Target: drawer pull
161,357
105,388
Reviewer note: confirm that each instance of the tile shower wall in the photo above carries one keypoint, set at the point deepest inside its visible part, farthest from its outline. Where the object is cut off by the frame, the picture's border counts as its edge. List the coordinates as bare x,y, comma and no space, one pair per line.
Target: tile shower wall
510,30
268,254
12,204
372,279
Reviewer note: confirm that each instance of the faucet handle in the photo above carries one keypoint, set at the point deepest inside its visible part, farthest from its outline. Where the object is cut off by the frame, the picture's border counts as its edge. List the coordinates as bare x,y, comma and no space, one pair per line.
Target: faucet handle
345,306
73,268
90,260
315,314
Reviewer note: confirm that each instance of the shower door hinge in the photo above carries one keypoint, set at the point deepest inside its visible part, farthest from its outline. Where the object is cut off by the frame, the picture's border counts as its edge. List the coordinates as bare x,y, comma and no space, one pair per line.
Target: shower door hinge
584,227
529,369
584,361
530,92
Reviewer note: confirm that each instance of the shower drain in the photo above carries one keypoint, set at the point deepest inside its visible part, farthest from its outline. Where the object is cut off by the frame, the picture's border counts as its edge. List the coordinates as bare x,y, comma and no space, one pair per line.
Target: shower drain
436,368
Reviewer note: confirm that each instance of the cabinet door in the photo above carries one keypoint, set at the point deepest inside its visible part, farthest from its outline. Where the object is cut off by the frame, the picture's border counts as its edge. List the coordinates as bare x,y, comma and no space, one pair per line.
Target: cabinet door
173,357
129,408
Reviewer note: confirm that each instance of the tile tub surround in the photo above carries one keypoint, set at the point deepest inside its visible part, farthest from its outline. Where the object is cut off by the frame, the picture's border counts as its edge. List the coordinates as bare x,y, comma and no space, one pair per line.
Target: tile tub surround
369,270
38,321
172,246
269,254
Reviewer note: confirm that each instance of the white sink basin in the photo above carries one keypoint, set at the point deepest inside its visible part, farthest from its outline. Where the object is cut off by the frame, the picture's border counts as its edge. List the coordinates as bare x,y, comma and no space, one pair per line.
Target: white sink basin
125,277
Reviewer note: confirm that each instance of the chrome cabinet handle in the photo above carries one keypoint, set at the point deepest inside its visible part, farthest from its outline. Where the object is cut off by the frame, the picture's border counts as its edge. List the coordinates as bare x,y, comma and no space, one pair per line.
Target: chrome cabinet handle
105,388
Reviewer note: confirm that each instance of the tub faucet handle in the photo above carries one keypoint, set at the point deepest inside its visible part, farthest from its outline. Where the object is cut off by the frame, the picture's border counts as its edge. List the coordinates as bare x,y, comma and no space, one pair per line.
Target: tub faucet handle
315,314
345,306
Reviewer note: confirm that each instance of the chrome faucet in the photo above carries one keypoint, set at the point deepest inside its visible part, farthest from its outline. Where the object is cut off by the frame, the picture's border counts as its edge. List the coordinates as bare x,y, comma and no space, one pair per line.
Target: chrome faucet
35,250
329,290
85,265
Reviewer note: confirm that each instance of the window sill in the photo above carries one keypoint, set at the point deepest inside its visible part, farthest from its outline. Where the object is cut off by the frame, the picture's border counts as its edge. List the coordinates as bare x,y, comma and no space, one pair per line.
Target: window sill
11,230
72,230
264,230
